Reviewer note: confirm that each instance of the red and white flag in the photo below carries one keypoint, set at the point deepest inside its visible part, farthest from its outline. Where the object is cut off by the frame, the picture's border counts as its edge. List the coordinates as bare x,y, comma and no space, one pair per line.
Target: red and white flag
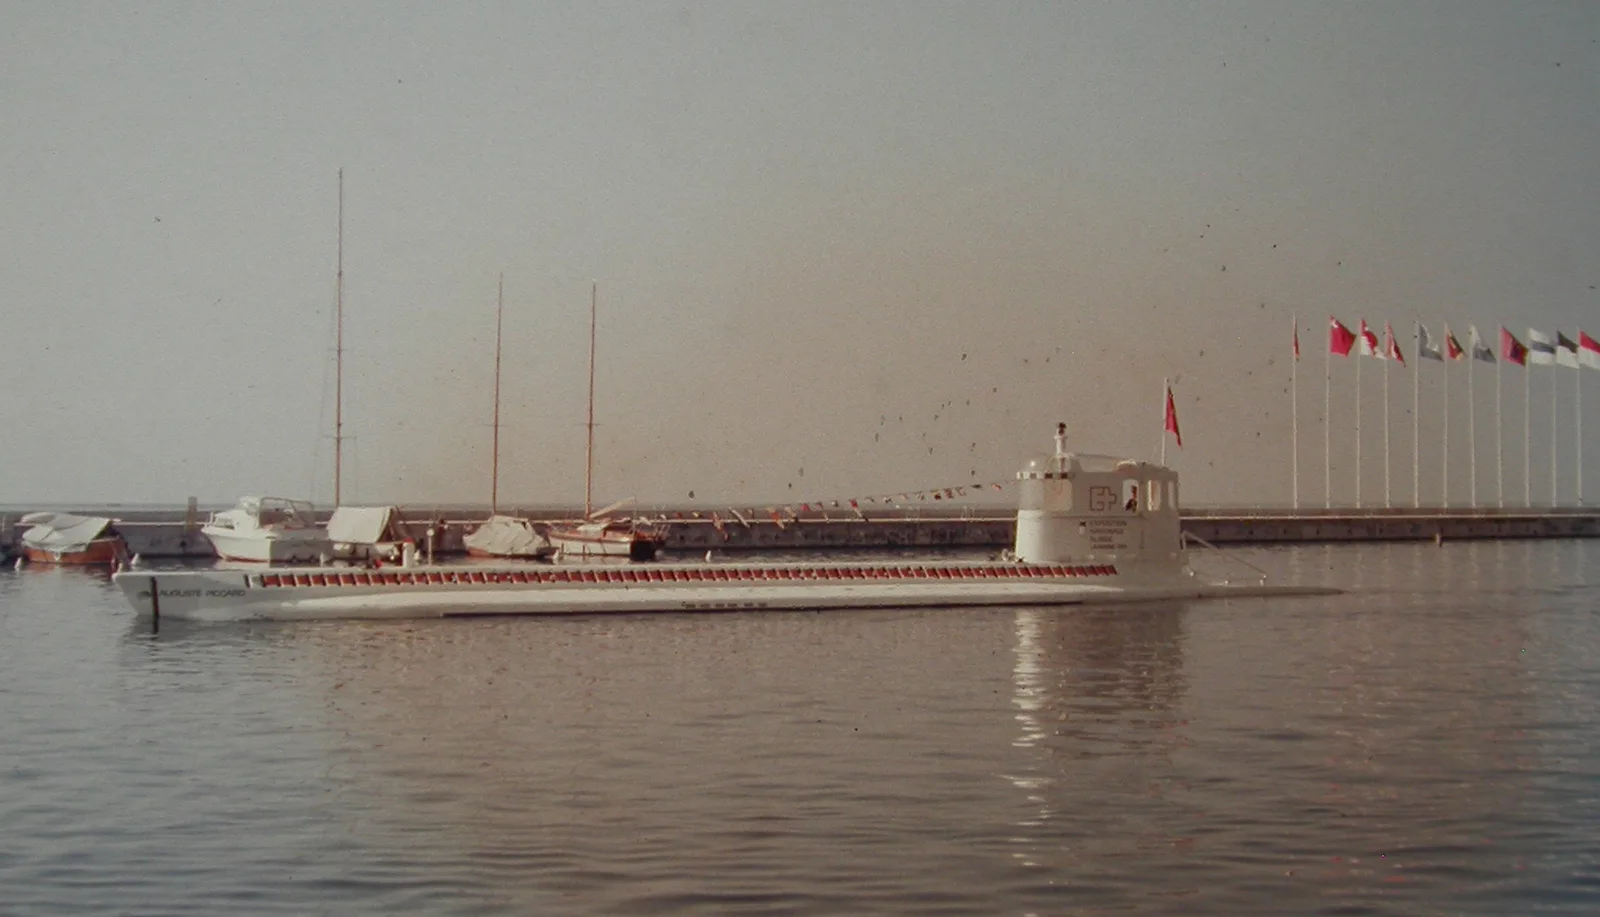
1297,340
1369,342
1171,422
1392,346
1588,351
1452,347
1340,338
1511,349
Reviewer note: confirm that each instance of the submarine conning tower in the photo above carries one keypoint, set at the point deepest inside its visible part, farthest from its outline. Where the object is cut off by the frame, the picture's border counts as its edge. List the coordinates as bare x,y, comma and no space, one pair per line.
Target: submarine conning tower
1080,508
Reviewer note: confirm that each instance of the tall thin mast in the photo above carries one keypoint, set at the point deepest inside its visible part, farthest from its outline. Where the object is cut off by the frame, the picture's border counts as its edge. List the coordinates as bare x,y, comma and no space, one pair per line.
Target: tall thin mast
1527,439
588,455
1358,414
338,354
494,464
1388,494
1166,387
1499,442
1294,416
1327,410
1472,418
1444,474
1416,422
1555,499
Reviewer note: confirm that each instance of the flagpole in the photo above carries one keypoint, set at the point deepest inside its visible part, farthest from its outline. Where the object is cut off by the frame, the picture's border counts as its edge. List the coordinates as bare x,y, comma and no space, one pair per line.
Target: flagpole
1165,387
1388,501
1327,411
1472,421
1416,423
1294,413
1553,478
1499,443
1578,410
1444,491
1362,345
1527,440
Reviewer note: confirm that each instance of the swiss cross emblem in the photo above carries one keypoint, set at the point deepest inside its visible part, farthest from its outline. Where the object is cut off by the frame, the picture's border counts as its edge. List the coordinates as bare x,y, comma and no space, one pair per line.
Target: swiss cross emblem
1102,499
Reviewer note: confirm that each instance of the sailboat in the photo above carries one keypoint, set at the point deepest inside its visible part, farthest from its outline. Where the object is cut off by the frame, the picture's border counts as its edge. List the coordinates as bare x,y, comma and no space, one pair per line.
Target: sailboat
502,535
597,534
275,530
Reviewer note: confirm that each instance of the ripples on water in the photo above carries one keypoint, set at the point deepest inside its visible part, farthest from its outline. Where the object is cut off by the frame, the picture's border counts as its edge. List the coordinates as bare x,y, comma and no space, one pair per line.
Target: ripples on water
1426,744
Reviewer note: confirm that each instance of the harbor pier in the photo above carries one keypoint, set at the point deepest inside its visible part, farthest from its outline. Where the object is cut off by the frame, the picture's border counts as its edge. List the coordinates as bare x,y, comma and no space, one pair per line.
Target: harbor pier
175,533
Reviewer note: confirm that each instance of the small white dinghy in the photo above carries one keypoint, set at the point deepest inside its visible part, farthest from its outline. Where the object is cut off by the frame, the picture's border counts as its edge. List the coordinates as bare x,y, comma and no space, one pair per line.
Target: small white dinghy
1090,530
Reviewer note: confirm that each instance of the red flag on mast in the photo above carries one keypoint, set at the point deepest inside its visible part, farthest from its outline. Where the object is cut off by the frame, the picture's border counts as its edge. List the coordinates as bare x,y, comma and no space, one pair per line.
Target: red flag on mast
1340,338
1172,418
1511,349
1588,351
1391,345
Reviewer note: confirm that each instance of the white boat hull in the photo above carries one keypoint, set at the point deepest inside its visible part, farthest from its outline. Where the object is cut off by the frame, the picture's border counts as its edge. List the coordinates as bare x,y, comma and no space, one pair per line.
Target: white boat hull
427,592
274,548
598,541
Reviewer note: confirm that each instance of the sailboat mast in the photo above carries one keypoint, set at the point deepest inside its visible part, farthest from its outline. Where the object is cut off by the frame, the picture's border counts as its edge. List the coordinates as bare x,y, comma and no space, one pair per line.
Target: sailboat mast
338,354
588,455
494,464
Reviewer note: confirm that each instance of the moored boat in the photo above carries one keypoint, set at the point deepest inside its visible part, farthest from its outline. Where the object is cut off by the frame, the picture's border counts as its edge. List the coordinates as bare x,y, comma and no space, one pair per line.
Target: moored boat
268,530
508,537
627,538
597,535
365,532
1090,530
65,538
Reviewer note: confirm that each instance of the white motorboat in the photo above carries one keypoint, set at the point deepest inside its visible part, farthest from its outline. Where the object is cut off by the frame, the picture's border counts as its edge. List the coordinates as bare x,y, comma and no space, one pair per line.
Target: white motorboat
269,530
1090,530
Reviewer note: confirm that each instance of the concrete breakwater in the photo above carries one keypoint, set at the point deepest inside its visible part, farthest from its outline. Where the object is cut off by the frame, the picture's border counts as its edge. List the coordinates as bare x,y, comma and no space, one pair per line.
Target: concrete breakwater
176,533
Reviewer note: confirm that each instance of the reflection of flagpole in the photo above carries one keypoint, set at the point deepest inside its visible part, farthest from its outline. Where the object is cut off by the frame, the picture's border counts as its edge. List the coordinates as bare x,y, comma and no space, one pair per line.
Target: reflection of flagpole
1416,422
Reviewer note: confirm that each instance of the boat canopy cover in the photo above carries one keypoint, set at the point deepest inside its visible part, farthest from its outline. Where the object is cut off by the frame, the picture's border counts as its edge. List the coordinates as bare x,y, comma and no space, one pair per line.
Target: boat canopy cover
507,536
360,524
62,531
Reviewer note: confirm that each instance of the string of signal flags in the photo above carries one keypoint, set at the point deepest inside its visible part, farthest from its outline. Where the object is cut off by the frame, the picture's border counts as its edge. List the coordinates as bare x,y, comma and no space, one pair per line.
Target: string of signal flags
786,514
1555,349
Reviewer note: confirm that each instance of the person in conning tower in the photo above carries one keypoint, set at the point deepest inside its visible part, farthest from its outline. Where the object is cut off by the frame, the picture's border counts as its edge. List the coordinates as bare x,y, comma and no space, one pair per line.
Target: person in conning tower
1133,500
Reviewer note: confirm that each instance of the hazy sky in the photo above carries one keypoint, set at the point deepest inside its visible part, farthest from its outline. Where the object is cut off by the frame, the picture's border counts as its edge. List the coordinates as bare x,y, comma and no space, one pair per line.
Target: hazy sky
842,248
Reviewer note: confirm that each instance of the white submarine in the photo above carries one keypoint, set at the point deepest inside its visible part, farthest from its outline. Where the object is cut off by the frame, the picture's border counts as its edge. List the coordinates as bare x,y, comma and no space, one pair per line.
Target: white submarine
1091,529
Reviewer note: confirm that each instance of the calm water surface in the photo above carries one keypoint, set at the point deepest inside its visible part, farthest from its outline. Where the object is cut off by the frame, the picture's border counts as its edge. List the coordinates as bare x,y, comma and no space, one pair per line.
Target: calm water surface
1427,744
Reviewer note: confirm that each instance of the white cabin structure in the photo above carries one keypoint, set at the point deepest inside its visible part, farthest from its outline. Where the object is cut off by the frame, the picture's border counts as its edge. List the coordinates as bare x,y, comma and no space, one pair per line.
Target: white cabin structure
1078,508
